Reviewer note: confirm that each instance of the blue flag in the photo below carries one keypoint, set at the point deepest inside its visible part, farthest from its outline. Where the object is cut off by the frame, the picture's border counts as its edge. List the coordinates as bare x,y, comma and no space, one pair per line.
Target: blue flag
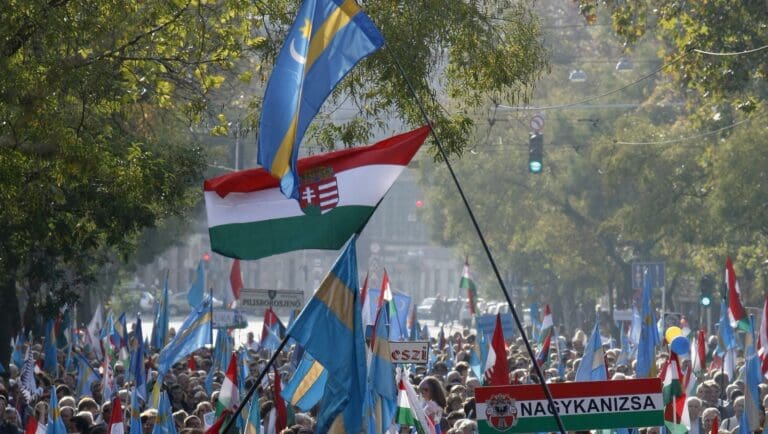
137,363
592,366
382,393
726,340
51,362
194,333
254,416
86,376
753,376
164,422
55,423
330,330
135,425
307,384
327,40
17,356
160,327
197,290
649,334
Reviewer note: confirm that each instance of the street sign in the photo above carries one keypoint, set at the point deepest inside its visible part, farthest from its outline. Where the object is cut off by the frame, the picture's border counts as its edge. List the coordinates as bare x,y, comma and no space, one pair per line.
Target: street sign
409,352
278,299
622,314
656,272
582,406
229,319
537,123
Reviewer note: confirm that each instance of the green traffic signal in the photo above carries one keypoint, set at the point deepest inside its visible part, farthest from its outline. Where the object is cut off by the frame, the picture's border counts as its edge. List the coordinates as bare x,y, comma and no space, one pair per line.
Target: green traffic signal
536,153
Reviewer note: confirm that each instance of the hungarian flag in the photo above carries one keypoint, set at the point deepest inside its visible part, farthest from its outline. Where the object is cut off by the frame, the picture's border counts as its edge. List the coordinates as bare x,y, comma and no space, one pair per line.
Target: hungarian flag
543,355
496,369
469,284
674,398
116,418
249,218
736,313
546,322
404,414
235,282
229,395
385,295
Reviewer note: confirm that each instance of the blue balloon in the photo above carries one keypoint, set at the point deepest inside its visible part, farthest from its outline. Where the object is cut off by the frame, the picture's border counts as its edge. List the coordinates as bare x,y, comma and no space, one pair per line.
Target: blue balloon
680,346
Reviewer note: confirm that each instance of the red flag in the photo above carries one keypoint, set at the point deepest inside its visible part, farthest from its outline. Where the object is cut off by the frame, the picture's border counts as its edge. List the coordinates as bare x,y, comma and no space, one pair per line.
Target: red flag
116,418
192,364
282,413
715,426
496,369
31,426
236,279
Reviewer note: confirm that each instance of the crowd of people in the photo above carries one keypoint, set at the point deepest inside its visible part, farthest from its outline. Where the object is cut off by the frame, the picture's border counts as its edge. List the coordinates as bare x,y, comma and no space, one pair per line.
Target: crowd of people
446,387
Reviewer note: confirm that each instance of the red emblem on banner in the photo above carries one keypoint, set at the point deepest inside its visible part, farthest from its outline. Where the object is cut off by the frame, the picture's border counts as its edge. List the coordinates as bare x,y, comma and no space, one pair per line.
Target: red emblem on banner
318,191
501,412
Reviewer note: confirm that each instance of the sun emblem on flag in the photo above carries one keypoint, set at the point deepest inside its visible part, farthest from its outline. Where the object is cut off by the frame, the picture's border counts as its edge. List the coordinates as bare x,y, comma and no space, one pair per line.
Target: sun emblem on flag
501,412
318,191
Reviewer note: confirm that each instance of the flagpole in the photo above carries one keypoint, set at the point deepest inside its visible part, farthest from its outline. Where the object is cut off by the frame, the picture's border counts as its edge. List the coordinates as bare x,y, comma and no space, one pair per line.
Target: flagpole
480,235
255,385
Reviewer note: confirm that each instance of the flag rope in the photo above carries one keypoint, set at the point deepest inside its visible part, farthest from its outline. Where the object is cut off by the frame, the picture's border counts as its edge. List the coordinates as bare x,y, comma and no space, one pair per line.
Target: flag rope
480,235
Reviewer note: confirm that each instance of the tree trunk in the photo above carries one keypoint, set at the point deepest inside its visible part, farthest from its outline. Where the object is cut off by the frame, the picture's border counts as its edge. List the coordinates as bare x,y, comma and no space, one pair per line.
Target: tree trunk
10,318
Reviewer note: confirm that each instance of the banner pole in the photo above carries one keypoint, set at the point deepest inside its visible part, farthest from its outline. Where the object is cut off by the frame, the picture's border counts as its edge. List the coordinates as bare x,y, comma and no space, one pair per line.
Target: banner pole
480,235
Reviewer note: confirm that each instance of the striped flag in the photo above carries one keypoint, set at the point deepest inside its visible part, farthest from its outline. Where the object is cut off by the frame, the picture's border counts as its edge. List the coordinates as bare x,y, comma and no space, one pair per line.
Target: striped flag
249,218
229,396
469,284
736,313
496,369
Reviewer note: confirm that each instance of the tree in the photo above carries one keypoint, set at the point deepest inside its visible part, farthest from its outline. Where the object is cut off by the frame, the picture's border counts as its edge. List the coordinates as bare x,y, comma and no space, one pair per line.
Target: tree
99,101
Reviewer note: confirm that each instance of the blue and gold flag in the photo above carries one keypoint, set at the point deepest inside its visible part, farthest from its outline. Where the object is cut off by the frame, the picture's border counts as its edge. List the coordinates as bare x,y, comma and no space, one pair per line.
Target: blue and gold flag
330,330
327,40
193,334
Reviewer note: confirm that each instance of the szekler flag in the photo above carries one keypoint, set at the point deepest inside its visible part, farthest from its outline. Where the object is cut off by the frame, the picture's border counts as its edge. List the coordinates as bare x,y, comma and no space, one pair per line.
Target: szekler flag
249,218
327,40
736,313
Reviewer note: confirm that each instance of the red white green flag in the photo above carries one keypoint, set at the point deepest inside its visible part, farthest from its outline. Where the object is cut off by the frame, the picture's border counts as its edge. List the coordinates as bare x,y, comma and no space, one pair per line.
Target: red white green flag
674,397
249,218
229,396
469,284
736,313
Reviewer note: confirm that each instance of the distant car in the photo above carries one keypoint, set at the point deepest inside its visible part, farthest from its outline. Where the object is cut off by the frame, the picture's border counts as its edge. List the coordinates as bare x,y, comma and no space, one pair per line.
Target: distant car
147,301
178,303
424,310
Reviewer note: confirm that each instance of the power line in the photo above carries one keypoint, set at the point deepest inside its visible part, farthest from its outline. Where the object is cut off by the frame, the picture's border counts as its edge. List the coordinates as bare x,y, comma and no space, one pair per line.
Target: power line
732,53
695,136
611,92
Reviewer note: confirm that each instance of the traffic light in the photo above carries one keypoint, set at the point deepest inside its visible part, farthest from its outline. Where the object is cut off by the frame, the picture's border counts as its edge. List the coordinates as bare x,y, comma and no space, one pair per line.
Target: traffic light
536,153
706,285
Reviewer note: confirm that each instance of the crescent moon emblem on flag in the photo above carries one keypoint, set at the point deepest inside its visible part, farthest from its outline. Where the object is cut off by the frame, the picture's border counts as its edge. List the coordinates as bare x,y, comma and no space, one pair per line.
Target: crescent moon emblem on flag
295,54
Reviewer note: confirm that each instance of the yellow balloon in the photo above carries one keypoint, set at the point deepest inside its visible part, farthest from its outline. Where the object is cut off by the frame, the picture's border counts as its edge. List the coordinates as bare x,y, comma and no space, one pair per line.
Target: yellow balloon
672,332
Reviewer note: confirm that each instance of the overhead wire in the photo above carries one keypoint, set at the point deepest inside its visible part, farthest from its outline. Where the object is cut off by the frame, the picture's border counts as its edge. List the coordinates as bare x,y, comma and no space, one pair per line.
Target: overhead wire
693,137
732,53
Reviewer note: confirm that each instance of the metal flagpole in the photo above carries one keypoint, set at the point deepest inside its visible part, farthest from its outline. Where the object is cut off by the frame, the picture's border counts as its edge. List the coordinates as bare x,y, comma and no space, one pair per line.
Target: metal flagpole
480,235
